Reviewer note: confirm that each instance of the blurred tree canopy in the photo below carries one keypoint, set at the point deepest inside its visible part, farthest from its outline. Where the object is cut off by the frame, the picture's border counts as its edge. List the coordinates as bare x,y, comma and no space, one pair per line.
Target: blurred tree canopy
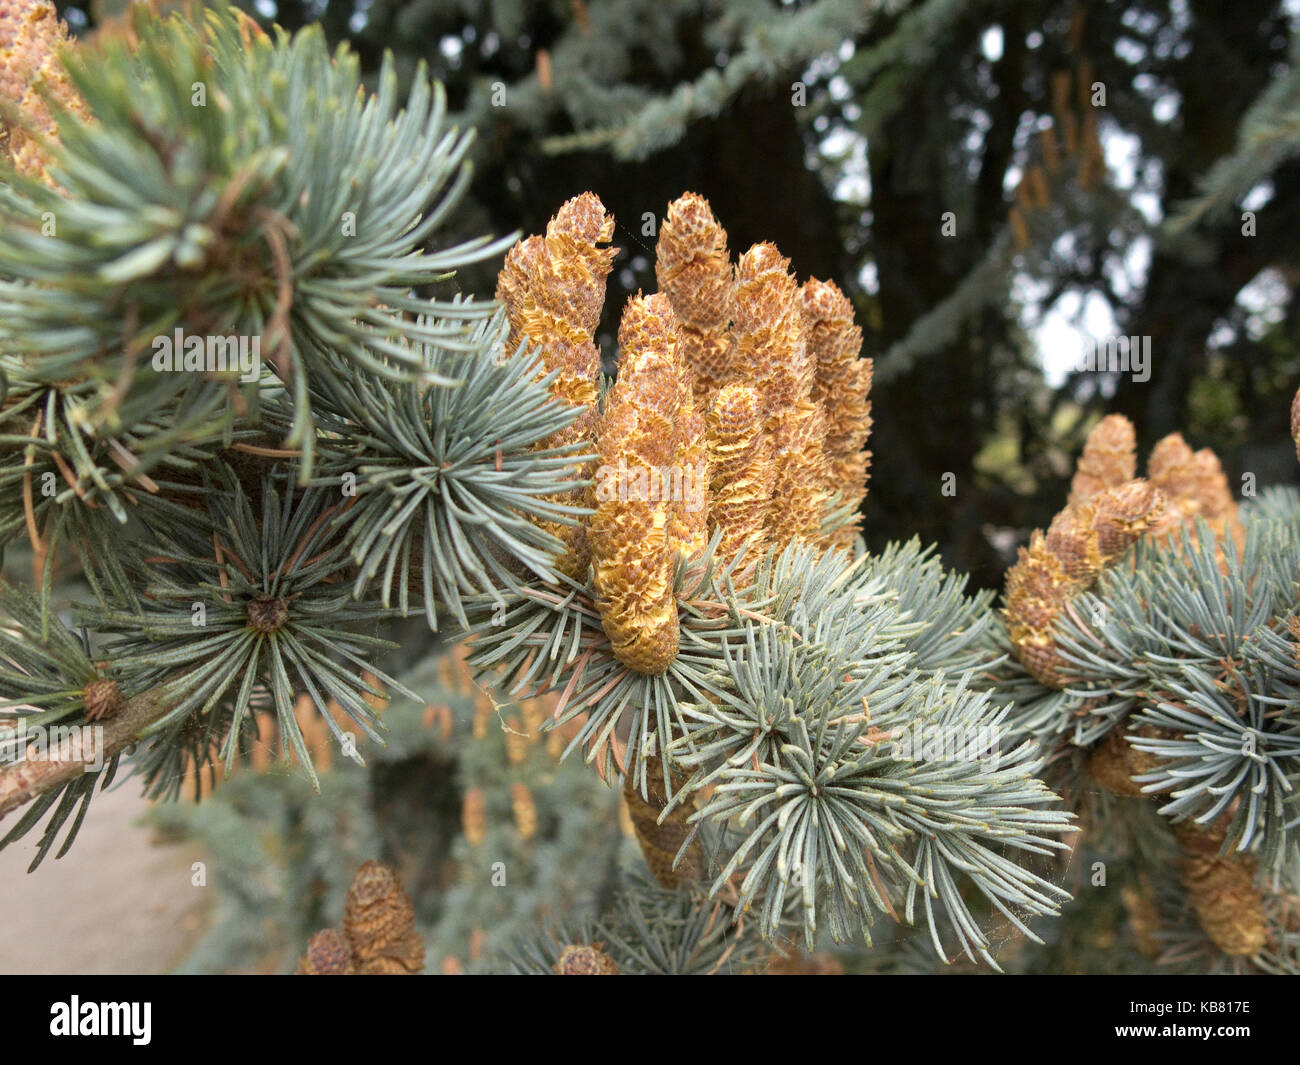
990,180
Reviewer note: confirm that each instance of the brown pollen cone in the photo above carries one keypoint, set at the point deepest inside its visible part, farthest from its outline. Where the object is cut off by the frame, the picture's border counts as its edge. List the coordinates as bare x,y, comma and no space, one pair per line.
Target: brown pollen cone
379,923
584,960
553,289
799,964
634,536
1222,890
1109,459
525,810
768,324
693,268
841,387
740,468
1196,486
660,841
328,954
771,337
1143,916
800,476
473,816
31,37
1037,589
1081,542
1124,515
1295,422
689,518
1115,762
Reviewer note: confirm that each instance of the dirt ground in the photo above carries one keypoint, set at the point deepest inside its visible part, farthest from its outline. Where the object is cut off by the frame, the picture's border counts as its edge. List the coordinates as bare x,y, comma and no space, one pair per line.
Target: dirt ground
116,903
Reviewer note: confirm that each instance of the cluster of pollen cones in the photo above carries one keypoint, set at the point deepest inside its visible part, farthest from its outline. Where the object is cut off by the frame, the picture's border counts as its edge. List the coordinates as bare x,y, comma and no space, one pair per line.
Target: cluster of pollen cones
1109,509
740,410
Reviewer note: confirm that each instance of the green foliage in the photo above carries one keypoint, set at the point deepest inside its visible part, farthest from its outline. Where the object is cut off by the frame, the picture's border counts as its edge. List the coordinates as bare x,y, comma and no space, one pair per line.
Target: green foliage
445,478
782,701
233,185
281,856
270,608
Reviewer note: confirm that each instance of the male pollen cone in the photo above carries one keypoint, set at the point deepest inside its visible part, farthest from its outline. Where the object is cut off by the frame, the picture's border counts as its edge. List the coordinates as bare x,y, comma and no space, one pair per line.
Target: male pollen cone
1295,423
693,268
1109,459
771,342
1222,891
1082,541
553,289
31,37
740,471
768,323
632,533
1195,486
841,387
661,836
1114,762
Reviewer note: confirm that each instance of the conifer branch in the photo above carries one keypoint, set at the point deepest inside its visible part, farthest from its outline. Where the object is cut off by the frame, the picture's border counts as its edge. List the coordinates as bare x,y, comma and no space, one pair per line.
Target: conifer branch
24,781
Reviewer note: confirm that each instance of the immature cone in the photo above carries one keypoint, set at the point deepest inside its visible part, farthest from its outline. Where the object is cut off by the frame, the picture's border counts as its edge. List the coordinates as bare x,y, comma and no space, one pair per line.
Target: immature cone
103,699
1222,891
1109,459
379,923
740,468
328,954
31,37
635,533
660,841
841,386
693,268
553,289
584,960
1081,542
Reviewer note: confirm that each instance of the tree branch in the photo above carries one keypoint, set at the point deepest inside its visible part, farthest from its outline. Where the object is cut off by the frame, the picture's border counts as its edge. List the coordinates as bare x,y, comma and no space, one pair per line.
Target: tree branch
24,781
